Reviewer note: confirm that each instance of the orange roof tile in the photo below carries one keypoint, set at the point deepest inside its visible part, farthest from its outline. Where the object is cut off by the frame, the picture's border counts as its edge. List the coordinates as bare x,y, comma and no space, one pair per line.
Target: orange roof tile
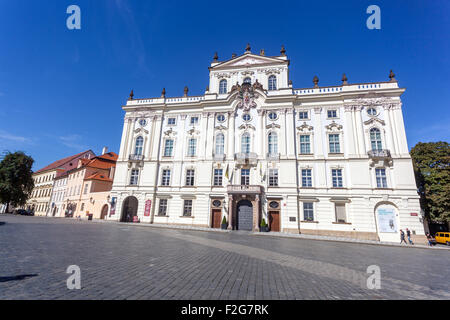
99,176
61,162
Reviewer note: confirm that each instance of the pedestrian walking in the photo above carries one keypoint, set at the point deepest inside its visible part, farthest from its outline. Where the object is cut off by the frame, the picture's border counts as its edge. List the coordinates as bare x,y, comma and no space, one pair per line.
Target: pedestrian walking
408,234
430,239
402,237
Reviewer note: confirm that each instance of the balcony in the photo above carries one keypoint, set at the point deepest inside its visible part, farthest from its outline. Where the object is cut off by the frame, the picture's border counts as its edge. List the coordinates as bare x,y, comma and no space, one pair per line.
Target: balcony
136,157
250,158
219,157
273,156
243,189
379,154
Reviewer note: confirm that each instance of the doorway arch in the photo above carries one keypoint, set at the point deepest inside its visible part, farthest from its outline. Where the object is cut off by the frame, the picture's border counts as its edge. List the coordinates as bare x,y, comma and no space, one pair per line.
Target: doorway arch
129,209
104,212
244,219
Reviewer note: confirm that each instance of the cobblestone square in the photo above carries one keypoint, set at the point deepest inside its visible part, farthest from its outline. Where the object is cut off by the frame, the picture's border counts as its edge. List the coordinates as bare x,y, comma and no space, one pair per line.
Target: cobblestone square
135,262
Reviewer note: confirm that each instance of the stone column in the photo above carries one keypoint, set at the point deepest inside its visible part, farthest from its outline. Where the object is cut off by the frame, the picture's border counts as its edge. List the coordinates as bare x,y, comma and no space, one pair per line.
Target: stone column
389,133
349,138
124,141
231,139
318,133
290,133
230,212
256,213
260,135
360,131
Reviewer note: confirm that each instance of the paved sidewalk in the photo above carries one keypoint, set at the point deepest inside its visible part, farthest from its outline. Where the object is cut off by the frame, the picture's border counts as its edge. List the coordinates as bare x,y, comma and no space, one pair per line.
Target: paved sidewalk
275,234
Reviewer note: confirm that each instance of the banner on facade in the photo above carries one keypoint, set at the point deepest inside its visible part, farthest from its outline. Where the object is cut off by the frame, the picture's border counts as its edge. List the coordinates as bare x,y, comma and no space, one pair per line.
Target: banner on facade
148,207
386,220
113,206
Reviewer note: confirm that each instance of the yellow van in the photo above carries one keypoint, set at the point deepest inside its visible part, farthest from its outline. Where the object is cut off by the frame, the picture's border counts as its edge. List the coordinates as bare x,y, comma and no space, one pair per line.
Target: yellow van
442,237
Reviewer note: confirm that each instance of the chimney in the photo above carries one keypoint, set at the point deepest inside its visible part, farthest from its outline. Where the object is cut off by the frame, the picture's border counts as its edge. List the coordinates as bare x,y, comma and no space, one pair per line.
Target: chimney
105,150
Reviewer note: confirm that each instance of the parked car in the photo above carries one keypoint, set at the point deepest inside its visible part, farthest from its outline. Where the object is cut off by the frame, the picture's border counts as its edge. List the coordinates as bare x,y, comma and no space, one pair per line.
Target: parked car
21,212
442,237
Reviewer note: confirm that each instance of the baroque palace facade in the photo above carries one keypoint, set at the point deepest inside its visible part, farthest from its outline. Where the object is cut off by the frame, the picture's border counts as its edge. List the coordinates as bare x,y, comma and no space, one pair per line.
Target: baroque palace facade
320,160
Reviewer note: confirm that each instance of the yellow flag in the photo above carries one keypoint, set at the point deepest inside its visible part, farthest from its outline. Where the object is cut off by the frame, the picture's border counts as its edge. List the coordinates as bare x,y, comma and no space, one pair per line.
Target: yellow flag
226,172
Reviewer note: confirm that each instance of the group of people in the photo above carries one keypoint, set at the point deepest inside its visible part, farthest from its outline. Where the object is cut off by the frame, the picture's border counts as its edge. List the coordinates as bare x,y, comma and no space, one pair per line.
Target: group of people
402,236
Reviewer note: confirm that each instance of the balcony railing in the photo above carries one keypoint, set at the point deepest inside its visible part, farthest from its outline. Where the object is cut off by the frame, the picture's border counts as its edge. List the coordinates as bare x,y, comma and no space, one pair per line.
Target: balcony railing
273,156
250,158
219,157
382,153
136,157
244,189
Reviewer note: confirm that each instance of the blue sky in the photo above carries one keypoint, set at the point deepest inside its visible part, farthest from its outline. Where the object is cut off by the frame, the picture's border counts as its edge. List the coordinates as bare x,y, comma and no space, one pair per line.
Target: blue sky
61,90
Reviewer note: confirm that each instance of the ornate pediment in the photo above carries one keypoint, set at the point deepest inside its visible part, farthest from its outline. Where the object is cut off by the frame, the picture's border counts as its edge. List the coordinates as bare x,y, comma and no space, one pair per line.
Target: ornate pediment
305,127
170,132
248,59
372,120
246,126
221,127
273,126
140,130
333,125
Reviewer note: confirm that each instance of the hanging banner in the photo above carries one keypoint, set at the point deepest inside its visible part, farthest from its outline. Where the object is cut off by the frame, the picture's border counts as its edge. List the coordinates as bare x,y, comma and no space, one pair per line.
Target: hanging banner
386,220
148,207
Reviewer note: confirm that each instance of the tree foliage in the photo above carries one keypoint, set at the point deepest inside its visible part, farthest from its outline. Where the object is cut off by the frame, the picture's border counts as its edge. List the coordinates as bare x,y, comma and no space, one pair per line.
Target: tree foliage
432,170
16,182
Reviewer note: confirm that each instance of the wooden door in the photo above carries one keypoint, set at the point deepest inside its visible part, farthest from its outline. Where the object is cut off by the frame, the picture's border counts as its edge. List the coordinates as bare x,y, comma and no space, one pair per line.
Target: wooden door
274,218
216,218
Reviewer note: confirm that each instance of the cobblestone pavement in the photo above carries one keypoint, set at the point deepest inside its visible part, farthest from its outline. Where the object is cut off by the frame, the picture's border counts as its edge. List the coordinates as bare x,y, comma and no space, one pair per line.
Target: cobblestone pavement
132,262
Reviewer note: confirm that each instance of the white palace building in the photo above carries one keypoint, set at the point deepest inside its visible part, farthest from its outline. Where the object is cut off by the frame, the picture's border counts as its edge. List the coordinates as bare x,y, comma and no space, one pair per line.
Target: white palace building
320,160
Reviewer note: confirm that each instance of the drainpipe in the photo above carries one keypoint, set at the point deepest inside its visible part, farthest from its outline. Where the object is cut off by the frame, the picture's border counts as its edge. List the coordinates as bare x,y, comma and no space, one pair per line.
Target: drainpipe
155,185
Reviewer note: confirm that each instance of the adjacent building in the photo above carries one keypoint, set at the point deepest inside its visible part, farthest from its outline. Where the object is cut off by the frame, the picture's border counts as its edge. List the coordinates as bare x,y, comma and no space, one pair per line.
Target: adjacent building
39,201
326,160
88,186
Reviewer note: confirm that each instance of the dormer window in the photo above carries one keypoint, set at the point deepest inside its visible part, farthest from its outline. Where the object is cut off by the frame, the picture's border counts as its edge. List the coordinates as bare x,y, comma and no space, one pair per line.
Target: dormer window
223,87
248,80
272,82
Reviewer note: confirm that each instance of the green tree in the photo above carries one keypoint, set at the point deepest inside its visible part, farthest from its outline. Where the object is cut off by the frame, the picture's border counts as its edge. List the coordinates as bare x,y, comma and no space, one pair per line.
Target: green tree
432,170
16,182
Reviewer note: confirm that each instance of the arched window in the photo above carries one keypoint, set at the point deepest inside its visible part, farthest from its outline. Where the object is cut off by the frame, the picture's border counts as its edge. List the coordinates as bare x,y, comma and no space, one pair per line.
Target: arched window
248,80
223,86
245,143
220,142
273,143
272,82
375,139
139,145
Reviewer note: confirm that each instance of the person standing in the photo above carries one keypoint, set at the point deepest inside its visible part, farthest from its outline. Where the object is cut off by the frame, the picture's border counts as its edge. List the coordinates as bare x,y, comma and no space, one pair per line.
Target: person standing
408,234
430,239
402,237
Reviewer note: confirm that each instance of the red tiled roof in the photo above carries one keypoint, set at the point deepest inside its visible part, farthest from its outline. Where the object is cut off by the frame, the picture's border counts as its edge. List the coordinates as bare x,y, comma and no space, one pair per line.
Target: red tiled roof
99,176
61,162
109,156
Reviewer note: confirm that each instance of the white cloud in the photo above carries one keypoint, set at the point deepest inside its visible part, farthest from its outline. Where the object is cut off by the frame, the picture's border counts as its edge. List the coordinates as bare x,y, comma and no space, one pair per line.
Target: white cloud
11,137
72,141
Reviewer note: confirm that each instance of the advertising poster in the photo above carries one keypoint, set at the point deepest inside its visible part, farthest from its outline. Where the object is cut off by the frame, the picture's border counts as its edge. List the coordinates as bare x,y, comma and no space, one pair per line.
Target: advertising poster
148,206
387,220
113,206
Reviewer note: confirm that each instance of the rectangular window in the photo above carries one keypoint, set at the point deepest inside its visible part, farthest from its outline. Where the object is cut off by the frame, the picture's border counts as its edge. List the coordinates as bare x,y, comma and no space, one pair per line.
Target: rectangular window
303,115
165,179
162,210
190,174
306,178
187,208
334,143
336,175
305,144
85,189
332,114
168,148
134,177
192,148
381,178
245,177
194,120
82,207
171,121
273,177
218,177
308,211
340,213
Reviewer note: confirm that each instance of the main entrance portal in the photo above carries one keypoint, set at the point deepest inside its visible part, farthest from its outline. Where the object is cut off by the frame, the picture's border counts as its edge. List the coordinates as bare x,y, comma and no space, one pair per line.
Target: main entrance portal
244,215
129,209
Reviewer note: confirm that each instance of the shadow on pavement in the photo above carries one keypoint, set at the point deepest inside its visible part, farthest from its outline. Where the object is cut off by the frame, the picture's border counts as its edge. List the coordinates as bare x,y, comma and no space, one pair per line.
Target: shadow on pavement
16,278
